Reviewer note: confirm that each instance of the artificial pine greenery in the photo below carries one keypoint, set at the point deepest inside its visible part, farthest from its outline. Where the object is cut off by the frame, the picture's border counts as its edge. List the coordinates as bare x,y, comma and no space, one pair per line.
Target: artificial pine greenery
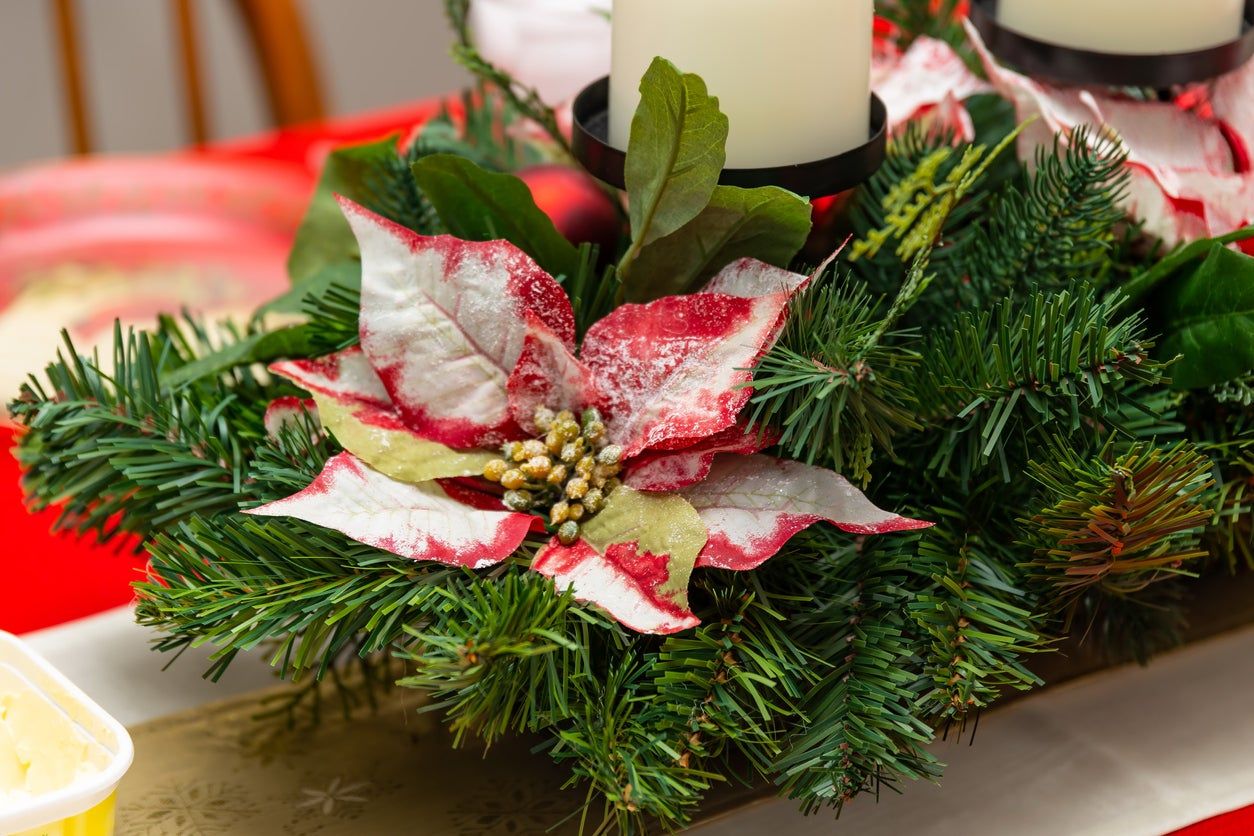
981,357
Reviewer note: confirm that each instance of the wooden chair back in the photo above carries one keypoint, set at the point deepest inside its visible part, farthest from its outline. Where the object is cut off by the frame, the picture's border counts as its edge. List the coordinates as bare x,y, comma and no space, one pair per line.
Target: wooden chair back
276,31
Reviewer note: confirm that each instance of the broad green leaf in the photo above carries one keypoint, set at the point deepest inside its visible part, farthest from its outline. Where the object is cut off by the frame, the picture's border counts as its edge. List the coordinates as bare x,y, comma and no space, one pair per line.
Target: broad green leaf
1208,318
345,274
293,341
373,175
480,205
396,452
768,224
675,155
1143,283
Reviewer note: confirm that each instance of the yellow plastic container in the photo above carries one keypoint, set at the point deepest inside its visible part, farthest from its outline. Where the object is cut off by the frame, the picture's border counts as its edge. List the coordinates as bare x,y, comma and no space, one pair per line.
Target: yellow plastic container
85,807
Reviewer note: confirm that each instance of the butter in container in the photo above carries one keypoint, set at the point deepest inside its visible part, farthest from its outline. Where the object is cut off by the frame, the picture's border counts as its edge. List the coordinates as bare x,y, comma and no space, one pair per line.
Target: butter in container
61,755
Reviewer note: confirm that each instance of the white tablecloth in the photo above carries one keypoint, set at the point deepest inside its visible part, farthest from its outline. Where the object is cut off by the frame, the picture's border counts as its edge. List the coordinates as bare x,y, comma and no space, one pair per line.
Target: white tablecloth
1132,752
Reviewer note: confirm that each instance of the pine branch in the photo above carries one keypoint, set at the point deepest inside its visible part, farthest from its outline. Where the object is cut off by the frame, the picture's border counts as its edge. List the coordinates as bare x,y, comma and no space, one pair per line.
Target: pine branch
973,616
334,318
1118,523
120,453
859,733
592,290
391,191
1056,362
619,742
736,680
498,654
311,591
1057,229
916,209
1221,423
522,99
833,384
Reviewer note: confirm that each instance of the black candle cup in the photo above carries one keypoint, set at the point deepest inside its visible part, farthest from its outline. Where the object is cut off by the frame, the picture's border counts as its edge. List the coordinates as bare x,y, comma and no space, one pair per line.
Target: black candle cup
818,178
1068,65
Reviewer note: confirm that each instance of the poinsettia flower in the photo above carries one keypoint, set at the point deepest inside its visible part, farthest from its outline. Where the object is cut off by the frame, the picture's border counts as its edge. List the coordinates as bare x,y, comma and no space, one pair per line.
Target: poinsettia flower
466,347
1189,166
926,84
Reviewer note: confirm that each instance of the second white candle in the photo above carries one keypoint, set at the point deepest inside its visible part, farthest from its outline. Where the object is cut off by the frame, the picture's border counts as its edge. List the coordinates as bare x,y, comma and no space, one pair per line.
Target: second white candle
793,76
1126,26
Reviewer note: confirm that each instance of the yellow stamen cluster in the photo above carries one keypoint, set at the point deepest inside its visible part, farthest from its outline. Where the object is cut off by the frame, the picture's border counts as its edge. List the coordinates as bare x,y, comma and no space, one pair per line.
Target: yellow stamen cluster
566,474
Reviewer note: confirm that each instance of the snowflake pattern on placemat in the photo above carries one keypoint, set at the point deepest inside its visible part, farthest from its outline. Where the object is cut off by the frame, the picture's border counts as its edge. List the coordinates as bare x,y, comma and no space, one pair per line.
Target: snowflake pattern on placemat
200,808
523,808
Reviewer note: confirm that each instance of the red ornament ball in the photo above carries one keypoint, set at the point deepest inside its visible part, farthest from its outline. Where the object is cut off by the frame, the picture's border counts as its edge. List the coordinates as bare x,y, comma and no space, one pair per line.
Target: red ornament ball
580,208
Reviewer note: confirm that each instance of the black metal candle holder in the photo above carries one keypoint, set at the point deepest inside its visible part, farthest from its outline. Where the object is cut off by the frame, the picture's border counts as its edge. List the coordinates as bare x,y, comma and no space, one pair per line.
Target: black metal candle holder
819,178
1068,65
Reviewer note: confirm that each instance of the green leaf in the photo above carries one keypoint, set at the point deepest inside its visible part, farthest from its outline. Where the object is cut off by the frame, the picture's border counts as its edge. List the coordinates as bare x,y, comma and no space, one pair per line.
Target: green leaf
1139,285
324,236
345,274
293,341
769,224
1209,319
480,205
675,155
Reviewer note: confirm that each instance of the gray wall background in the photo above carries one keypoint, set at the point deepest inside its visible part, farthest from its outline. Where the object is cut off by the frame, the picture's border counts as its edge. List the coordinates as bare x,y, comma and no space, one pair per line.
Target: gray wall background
373,53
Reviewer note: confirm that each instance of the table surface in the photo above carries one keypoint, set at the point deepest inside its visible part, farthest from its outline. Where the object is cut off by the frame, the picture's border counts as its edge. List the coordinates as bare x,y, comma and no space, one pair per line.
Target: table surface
1133,752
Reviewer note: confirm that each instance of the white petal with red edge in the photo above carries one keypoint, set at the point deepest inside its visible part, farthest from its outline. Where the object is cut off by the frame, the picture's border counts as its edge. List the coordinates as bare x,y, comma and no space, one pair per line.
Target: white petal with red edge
618,582
548,375
1185,184
634,560
420,522
928,82
673,471
753,505
1232,98
443,322
346,376
292,412
751,278
676,369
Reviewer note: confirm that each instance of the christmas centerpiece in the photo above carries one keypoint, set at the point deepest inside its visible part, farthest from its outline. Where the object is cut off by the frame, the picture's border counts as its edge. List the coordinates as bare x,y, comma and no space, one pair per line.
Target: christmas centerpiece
703,482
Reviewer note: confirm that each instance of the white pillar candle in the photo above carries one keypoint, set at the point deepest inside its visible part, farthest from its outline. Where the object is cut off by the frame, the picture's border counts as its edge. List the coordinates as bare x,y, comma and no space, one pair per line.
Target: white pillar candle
793,76
1126,26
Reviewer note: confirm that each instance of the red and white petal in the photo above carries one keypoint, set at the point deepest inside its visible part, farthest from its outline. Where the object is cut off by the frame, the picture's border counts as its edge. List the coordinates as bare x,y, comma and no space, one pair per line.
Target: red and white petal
751,278
634,559
443,322
929,81
289,412
672,471
1232,99
676,369
753,505
346,377
420,522
622,581
1186,177
548,374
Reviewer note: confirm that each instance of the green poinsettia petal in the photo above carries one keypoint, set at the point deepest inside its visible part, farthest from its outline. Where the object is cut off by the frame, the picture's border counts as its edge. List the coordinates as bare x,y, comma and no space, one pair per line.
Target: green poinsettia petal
378,438
634,560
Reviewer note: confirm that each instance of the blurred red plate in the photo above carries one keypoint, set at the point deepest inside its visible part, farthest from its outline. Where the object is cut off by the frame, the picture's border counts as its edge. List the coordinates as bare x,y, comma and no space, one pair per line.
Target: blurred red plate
85,242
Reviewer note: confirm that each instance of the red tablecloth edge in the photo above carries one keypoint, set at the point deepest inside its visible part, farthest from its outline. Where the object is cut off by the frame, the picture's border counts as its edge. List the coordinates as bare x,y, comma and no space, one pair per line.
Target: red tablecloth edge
1236,823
